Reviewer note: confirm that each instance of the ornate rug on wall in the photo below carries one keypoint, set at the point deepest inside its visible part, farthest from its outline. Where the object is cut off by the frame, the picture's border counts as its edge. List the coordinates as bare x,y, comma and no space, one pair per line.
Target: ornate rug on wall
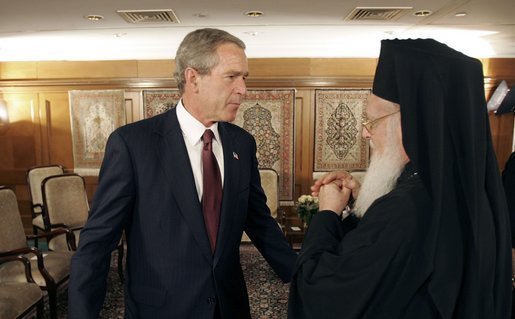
338,141
94,115
266,114
159,101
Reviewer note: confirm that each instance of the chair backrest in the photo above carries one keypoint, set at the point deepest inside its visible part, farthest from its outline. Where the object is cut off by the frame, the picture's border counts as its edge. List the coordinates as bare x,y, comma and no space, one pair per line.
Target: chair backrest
35,177
12,234
65,200
270,184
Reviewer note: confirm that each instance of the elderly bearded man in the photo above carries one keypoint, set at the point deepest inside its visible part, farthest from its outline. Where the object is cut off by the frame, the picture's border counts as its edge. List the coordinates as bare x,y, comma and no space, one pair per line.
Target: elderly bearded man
429,236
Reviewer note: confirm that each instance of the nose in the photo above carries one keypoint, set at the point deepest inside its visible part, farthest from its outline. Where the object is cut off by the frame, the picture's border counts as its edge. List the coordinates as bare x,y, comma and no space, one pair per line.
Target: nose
241,86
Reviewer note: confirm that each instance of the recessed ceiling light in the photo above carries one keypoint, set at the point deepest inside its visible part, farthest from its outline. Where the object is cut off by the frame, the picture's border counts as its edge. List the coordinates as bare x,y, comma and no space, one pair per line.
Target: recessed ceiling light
119,35
252,33
200,15
422,13
94,17
254,14
460,14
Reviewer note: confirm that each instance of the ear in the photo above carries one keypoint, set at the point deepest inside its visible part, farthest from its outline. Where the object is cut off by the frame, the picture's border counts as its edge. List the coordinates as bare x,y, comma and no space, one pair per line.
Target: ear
191,75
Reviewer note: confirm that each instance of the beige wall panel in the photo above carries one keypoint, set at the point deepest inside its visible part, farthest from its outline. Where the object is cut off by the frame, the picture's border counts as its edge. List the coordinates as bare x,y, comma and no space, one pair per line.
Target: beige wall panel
156,68
87,69
278,67
18,70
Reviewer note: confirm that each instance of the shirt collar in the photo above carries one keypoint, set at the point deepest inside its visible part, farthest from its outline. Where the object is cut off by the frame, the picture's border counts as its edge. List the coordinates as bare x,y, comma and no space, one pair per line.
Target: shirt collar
193,129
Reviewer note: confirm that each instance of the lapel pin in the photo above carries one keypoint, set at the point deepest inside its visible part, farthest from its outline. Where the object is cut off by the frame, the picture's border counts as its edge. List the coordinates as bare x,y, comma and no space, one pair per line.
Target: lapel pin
235,155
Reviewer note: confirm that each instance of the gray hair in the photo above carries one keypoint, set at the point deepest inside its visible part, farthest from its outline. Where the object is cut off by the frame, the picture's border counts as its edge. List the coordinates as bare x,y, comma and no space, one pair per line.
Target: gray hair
198,51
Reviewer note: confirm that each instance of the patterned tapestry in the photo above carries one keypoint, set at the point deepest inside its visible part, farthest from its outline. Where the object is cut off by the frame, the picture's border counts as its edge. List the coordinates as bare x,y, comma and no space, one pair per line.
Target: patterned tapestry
159,101
268,116
338,142
94,115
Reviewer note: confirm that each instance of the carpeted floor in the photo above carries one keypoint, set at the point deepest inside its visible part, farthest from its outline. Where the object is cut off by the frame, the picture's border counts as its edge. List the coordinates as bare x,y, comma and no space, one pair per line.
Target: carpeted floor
268,296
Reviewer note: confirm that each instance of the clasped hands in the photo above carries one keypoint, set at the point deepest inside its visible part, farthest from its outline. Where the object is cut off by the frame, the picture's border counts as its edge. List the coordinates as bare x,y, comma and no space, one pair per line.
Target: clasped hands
334,191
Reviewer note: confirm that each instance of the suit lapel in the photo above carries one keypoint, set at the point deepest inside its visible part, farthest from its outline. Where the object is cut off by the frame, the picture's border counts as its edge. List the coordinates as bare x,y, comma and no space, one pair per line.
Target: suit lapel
231,176
177,167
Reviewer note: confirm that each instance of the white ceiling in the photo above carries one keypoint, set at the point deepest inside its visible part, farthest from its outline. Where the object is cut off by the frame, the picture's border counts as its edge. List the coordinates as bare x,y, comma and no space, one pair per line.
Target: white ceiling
42,30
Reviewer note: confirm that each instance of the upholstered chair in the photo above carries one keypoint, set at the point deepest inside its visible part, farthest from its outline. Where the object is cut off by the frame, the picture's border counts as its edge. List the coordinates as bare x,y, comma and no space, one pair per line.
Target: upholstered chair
20,299
65,203
270,184
50,270
35,176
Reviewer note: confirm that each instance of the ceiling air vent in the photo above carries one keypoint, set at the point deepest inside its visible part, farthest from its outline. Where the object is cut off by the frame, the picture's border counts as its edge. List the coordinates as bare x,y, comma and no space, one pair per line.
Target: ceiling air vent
149,16
377,13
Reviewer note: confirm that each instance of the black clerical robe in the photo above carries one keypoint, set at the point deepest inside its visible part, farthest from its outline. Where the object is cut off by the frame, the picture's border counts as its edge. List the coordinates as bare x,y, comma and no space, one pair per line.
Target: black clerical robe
373,268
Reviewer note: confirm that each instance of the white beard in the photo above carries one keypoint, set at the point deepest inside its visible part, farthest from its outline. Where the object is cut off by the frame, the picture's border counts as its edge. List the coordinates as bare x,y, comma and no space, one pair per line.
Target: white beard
381,176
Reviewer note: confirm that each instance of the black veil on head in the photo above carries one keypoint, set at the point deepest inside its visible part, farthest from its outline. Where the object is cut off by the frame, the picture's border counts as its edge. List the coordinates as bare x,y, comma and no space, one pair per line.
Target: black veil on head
446,135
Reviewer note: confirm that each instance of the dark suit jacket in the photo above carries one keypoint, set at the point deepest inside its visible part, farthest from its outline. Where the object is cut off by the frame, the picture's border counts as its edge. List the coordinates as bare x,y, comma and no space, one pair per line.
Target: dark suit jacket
146,188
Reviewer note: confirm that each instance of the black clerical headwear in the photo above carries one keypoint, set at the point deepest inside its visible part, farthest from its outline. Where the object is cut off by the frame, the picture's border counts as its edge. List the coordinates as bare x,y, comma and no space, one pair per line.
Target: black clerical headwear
446,135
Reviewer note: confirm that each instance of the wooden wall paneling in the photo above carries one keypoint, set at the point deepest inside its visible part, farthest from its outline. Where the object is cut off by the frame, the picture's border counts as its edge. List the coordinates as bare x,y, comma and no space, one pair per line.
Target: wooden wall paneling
502,127
18,70
87,69
133,106
499,68
40,132
19,148
278,68
156,68
91,183
17,142
57,128
349,68
304,138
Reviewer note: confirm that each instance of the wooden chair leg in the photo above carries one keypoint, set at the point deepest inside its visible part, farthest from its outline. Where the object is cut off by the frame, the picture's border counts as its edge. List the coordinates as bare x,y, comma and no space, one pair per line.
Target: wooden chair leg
52,302
40,309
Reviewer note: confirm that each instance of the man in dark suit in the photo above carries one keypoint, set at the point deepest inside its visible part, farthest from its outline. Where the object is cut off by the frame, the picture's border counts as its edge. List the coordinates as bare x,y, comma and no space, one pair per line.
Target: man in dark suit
182,262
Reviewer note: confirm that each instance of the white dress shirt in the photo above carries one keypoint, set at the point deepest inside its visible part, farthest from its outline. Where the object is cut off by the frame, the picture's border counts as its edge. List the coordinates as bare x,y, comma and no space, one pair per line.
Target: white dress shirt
192,131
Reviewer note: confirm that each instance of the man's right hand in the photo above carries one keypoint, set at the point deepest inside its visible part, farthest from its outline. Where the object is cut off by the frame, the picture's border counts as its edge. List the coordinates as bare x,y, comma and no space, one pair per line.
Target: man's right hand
346,179
333,197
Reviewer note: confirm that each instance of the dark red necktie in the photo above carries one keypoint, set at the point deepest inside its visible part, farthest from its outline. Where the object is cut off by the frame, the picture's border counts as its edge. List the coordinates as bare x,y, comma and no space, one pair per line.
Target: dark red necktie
212,189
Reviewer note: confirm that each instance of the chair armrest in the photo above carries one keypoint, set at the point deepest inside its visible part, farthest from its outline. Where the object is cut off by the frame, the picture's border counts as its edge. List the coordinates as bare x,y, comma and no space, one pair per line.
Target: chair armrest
70,236
24,260
40,261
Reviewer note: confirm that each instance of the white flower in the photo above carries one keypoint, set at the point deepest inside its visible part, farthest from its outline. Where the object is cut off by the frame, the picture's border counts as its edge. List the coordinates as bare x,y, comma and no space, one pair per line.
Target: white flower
303,198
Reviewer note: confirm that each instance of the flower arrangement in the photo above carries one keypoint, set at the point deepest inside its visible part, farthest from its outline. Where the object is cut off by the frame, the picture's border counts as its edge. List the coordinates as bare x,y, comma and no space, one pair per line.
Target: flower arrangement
307,206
